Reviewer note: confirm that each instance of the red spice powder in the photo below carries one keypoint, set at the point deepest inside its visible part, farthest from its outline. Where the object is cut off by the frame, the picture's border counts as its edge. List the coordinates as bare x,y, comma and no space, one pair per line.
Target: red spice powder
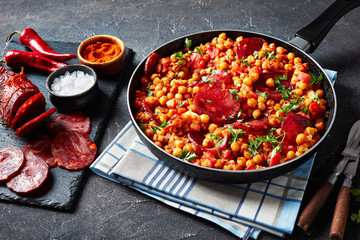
100,52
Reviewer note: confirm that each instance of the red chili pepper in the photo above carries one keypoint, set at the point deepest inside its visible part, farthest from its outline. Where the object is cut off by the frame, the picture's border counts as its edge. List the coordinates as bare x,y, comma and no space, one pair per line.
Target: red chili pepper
15,58
28,37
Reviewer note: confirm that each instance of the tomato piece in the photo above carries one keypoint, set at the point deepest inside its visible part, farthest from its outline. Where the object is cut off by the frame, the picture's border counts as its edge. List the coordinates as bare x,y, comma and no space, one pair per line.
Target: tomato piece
303,77
275,159
315,110
226,154
197,61
213,52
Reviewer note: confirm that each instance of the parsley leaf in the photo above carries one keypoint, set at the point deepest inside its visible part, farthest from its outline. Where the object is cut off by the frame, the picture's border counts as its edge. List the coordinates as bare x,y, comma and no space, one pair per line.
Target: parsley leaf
314,79
155,128
233,93
270,55
256,54
244,61
254,146
188,43
188,156
197,49
179,55
206,79
235,133
355,192
281,88
181,104
356,217
264,95
180,63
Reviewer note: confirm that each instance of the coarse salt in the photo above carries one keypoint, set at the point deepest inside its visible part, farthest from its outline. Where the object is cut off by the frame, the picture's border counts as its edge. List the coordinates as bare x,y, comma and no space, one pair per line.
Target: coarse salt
72,83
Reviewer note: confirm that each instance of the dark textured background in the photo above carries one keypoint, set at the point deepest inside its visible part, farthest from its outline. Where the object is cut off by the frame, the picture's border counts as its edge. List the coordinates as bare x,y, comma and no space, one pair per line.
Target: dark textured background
106,210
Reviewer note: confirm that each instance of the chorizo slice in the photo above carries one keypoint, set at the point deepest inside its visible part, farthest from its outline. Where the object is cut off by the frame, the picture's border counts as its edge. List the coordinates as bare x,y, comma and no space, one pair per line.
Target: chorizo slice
248,46
31,176
11,86
294,124
77,121
4,76
32,124
151,63
41,147
17,99
11,161
216,99
33,107
73,150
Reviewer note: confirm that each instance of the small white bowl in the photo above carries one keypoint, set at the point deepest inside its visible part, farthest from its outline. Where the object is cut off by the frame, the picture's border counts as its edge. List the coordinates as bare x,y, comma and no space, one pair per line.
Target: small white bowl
76,101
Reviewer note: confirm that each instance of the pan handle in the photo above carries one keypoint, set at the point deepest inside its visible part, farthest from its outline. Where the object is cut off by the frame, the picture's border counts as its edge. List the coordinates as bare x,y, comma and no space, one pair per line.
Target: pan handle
309,37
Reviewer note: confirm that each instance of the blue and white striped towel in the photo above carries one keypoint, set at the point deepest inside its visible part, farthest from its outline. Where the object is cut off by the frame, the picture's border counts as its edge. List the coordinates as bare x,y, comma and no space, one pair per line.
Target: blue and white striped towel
243,209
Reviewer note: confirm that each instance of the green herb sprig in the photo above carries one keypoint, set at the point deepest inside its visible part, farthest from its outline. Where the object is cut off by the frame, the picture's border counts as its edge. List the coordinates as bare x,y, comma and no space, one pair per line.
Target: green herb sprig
355,192
188,156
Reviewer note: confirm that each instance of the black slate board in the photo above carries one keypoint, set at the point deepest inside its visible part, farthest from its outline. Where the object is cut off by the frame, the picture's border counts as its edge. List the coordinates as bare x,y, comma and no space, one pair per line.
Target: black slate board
61,188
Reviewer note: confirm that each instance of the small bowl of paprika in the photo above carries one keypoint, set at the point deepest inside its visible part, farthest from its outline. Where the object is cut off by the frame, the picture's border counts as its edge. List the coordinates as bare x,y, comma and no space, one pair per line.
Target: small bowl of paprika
103,53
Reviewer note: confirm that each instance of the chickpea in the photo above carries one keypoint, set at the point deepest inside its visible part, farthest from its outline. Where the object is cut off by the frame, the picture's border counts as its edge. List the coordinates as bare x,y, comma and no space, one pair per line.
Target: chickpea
290,155
297,60
235,146
223,66
241,161
310,131
171,103
248,81
212,127
182,89
261,106
256,114
247,155
320,93
250,163
258,159
270,82
254,76
300,138
177,152
251,102
204,118
291,56
299,92
159,94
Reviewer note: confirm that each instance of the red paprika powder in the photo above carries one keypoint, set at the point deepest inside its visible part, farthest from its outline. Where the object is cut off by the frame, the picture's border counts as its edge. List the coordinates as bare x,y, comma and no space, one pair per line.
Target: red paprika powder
100,52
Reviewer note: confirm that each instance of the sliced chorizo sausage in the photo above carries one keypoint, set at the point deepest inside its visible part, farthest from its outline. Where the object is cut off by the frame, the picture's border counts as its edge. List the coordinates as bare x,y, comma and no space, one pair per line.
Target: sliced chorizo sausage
33,107
73,150
77,121
41,147
11,161
17,99
216,100
248,46
32,124
31,176
294,124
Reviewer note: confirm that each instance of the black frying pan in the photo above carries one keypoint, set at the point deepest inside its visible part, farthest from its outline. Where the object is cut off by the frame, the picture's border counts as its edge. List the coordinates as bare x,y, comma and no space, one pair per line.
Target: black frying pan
306,41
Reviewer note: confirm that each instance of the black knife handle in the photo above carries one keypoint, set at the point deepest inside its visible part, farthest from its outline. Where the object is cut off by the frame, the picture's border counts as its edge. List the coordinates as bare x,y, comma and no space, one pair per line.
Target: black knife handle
316,31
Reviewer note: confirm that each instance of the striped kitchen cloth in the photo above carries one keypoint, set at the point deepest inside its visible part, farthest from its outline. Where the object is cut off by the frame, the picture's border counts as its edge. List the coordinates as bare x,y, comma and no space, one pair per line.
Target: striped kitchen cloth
243,209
